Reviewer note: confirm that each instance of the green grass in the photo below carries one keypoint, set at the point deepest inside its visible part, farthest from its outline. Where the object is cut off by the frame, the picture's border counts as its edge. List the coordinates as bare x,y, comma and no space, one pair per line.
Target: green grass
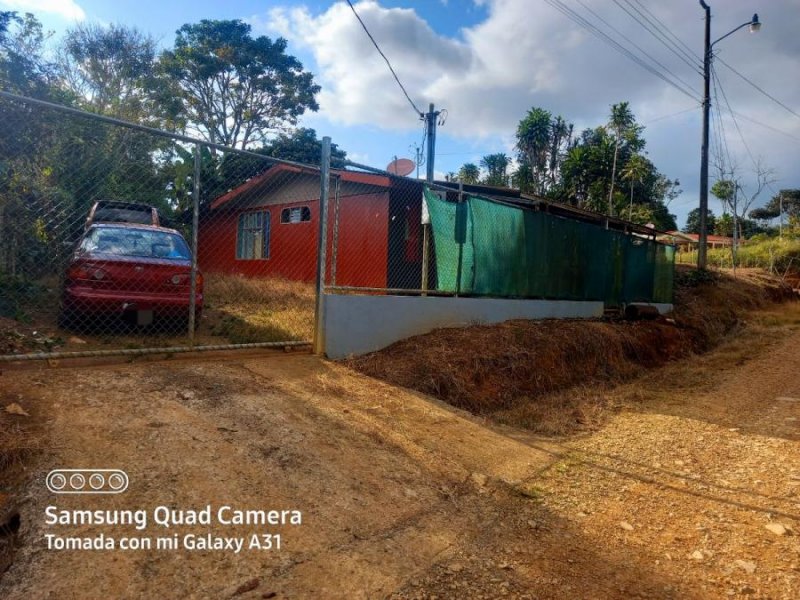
777,255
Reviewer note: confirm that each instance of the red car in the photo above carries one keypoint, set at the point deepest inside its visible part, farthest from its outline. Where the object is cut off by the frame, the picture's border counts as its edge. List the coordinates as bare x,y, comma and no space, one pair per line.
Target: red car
139,272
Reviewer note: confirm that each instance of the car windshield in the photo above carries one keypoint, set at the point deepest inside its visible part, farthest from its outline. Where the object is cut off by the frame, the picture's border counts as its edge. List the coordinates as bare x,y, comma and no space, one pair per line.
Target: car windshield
123,241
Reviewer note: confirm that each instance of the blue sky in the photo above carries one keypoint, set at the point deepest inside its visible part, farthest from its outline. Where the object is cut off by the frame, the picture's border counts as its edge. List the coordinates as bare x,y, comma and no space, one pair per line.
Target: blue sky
488,61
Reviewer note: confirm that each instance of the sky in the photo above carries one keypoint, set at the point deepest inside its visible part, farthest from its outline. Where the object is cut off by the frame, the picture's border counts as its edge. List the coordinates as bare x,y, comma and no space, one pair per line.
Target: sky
489,61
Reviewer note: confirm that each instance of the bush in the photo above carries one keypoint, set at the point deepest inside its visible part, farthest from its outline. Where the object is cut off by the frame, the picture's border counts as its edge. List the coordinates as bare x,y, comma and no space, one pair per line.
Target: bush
777,255
17,294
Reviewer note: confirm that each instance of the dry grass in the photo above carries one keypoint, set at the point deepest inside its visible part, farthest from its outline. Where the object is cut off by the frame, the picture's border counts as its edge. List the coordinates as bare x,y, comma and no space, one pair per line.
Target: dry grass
258,309
17,444
551,376
486,368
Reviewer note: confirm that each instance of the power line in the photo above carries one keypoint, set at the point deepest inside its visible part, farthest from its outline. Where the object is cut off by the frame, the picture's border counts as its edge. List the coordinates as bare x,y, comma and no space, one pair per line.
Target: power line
635,45
733,116
661,32
723,150
671,115
765,126
767,94
594,30
388,64
689,52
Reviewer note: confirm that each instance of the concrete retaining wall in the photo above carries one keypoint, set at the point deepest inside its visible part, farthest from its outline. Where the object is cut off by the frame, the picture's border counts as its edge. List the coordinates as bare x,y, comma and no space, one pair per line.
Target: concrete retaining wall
360,324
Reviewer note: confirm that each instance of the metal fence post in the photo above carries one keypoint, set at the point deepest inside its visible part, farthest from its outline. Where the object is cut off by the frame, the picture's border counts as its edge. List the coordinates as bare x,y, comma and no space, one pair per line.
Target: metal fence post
335,244
460,234
195,226
324,190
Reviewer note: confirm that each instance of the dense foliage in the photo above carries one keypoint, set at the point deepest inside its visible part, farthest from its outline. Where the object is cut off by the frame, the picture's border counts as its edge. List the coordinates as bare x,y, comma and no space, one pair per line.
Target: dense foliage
217,82
604,169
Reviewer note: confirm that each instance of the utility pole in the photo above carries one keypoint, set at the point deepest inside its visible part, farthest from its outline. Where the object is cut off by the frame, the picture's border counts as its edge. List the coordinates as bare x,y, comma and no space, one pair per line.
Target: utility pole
417,157
703,237
780,213
708,47
430,131
430,120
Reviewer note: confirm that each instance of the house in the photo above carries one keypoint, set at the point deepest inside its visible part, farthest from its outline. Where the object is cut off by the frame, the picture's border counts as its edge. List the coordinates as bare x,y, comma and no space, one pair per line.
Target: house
494,242
269,226
686,242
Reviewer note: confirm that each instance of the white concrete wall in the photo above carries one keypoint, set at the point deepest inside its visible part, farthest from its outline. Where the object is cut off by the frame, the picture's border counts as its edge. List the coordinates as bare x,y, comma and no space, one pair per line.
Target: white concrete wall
360,324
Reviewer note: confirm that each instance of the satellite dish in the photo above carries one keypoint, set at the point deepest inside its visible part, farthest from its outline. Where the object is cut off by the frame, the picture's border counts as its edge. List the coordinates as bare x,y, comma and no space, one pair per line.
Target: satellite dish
401,166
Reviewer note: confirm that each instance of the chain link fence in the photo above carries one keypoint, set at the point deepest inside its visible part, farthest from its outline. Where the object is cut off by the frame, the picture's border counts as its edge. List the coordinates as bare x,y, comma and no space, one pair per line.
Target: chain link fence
119,239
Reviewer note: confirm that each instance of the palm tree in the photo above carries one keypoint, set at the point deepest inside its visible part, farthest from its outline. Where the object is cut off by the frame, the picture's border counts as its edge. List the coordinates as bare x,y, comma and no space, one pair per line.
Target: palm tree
533,142
496,166
620,122
469,173
635,171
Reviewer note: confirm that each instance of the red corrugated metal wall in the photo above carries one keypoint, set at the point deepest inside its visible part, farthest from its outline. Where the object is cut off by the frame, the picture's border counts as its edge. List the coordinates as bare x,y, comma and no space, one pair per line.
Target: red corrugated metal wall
362,252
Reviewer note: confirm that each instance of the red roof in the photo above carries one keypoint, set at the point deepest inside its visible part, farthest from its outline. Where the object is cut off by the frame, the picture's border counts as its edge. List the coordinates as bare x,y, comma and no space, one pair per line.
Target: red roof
271,173
695,237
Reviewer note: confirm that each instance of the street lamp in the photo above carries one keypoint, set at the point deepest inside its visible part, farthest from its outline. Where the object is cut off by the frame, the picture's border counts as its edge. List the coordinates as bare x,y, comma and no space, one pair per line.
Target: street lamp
754,24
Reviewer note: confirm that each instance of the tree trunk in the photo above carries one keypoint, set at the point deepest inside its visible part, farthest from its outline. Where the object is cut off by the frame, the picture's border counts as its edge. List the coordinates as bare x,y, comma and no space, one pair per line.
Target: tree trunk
613,175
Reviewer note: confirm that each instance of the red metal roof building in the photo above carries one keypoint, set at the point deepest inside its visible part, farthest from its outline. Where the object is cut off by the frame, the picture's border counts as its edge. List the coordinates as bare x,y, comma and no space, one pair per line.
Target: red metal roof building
269,226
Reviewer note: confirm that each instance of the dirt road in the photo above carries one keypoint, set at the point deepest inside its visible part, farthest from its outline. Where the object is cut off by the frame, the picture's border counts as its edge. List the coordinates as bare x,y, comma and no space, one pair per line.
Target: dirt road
402,496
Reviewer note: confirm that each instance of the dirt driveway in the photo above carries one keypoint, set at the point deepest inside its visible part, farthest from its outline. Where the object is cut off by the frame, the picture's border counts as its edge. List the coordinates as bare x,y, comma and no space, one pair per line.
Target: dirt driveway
402,496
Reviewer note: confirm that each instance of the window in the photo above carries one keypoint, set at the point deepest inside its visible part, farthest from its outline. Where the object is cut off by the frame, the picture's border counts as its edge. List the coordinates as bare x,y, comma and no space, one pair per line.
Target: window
252,241
296,215
135,242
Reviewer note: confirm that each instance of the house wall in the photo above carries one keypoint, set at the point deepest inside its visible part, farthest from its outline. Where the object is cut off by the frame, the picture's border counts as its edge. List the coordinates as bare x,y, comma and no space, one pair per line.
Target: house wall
363,242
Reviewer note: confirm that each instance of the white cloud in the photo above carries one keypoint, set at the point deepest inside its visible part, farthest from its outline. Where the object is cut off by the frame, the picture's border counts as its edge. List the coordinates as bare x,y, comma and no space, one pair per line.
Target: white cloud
523,54
68,9
357,86
527,54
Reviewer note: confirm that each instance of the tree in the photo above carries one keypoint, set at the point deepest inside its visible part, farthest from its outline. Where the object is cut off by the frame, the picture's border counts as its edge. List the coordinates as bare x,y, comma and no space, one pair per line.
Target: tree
469,173
496,166
724,225
622,123
585,178
693,221
764,214
23,68
235,89
300,145
541,142
737,196
725,191
533,143
786,202
586,170
111,70
635,171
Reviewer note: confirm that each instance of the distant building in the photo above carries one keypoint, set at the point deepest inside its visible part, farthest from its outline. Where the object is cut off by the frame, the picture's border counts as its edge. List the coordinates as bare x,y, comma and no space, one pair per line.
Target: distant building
686,242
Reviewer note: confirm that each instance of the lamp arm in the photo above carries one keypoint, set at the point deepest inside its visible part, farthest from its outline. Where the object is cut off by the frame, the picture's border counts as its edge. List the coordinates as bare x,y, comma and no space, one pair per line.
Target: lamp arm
750,22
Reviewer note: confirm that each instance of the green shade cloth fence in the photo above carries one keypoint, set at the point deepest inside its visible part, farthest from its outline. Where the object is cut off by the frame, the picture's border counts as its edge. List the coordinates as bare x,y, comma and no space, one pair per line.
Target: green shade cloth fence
486,248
